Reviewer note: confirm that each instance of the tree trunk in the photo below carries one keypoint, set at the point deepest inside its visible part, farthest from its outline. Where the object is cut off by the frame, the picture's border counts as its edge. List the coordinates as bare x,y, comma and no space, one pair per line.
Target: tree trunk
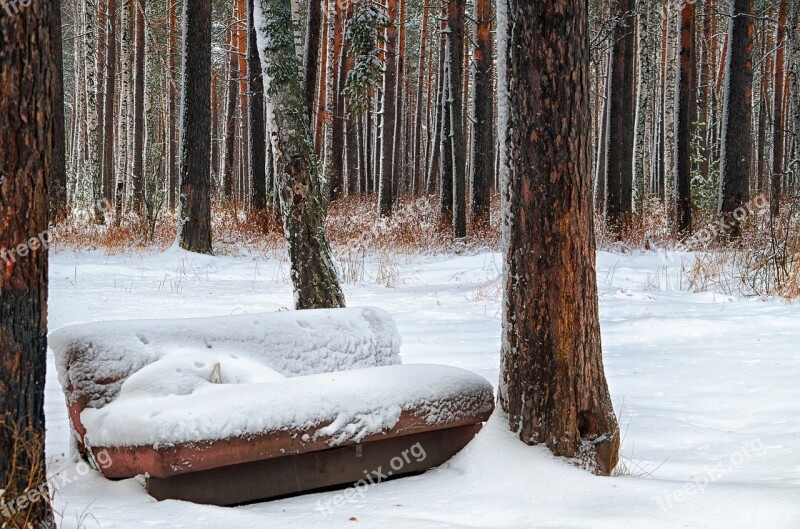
778,125
30,88
389,112
619,143
419,164
311,53
230,114
109,175
257,140
644,104
483,151
552,382
172,138
686,118
138,98
668,140
303,198
737,140
454,153
194,224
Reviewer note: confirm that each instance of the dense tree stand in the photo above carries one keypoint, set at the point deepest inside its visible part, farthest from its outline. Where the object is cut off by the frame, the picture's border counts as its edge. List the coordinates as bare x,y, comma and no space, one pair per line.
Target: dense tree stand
552,382
30,86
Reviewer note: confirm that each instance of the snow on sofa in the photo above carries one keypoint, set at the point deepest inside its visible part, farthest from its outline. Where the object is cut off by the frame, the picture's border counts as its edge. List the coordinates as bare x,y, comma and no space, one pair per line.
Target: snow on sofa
242,408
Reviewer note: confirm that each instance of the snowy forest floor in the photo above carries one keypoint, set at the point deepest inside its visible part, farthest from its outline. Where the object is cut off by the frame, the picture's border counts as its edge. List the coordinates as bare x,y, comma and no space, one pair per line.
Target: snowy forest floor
706,387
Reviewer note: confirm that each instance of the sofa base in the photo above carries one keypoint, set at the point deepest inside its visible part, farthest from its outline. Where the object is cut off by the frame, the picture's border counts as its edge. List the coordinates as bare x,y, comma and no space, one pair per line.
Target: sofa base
361,464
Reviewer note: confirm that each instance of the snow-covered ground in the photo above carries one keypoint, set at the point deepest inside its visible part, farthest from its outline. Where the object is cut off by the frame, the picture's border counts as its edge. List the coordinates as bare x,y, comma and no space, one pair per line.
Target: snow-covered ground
707,388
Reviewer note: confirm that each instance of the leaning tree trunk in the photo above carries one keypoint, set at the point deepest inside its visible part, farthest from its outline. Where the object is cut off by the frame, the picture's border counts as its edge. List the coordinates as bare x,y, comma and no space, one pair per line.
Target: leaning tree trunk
483,151
302,189
686,118
737,139
621,126
194,225
30,87
257,141
552,382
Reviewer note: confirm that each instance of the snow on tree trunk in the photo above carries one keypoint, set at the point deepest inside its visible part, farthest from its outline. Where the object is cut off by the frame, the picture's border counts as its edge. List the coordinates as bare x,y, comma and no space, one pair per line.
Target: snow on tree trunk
552,382
737,139
194,223
93,173
644,102
300,184
27,118
669,141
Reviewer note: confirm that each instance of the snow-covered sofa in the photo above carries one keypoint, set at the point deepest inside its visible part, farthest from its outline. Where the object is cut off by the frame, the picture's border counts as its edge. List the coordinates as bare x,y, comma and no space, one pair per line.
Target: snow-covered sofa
241,408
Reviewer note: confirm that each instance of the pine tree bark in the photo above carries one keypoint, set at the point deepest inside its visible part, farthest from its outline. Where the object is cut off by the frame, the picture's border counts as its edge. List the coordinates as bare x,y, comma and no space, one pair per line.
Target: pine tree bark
389,114
552,383
139,104
454,154
109,175
58,179
194,225
30,88
172,134
257,140
483,151
778,124
737,139
228,167
621,126
686,118
303,198
419,162
311,52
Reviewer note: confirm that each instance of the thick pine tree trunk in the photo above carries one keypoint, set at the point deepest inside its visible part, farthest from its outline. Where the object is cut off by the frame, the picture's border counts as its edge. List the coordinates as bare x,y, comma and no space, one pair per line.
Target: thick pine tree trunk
257,140
686,118
30,88
621,126
194,224
303,198
552,382
483,151
389,108
737,139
